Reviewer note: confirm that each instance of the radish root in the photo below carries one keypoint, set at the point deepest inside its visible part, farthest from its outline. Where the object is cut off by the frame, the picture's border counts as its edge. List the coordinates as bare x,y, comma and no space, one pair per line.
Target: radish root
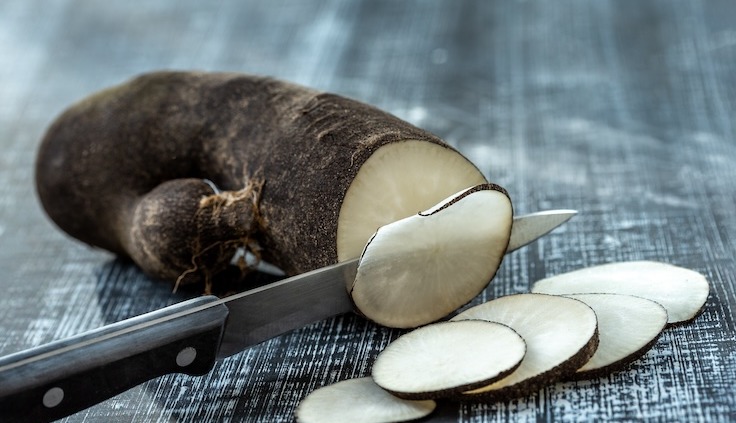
226,221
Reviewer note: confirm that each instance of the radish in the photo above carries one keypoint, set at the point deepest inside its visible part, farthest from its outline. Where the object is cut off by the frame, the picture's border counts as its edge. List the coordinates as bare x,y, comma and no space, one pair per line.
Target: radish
180,170
359,401
422,268
682,292
627,327
561,335
447,358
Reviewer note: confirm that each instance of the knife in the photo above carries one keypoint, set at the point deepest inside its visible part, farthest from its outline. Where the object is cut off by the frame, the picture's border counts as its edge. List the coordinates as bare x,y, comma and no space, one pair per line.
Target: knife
51,381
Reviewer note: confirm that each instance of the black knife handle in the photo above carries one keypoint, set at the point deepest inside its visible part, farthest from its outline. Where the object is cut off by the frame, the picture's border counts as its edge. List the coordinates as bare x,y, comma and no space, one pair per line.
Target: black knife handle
58,379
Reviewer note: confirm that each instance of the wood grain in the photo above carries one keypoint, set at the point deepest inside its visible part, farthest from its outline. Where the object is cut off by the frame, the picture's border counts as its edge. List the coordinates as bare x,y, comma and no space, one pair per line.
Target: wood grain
624,110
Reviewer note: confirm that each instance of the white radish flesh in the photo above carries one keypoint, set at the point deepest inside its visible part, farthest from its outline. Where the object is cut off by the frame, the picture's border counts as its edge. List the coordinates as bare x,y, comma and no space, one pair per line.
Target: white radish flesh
398,180
681,291
560,333
359,401
627,327
422,268
447,358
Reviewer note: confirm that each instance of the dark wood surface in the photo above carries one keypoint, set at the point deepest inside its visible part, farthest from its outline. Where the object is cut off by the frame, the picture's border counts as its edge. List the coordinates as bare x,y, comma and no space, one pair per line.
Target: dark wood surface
623,110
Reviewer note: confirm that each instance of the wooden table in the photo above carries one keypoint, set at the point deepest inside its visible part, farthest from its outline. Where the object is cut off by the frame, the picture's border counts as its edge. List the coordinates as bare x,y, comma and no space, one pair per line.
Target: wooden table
625,111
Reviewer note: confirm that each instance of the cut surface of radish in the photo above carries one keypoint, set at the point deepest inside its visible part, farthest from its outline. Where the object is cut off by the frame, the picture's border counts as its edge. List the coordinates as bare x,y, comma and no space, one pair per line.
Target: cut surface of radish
359,401
561,335
446,358
399,180
682,292
421,268
627,327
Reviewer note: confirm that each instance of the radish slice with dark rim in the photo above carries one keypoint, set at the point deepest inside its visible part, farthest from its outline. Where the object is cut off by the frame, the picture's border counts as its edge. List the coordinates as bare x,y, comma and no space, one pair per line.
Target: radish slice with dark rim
683,292
628,326
561,335
447,358
359,401
422,268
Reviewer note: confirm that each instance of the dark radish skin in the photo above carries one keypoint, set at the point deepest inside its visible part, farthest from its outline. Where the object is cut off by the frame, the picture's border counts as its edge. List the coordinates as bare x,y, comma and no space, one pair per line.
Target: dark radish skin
129,169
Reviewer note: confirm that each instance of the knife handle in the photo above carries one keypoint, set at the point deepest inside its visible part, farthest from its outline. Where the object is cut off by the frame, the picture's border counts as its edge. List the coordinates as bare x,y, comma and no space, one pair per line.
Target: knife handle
60,378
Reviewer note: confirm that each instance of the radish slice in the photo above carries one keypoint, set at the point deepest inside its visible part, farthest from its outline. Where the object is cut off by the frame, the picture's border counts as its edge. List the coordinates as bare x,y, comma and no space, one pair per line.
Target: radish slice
681,291
448,358
627,327
359,401
561,335
420,269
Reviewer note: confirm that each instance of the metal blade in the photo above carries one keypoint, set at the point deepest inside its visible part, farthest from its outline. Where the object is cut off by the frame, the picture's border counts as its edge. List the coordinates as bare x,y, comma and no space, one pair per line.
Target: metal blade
263,313
530,227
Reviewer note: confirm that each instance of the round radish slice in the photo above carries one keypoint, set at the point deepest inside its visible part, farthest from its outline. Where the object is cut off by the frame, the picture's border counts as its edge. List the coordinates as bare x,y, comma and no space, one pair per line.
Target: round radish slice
359,401
420,269
448,358
682,292
561,335
627,327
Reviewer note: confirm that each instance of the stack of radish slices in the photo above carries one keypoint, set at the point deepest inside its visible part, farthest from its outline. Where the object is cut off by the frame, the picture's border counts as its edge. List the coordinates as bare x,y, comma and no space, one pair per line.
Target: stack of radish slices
576,325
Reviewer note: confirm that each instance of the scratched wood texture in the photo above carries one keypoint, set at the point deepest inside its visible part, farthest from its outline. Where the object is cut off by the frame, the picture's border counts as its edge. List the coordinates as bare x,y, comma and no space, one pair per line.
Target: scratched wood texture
624,110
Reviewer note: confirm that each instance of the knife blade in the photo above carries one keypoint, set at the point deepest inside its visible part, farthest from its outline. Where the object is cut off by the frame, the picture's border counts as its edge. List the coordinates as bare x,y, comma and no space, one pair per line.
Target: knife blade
321,293
55,380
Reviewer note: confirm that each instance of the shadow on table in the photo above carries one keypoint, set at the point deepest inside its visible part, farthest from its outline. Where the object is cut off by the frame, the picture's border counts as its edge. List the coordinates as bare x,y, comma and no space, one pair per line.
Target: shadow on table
124,291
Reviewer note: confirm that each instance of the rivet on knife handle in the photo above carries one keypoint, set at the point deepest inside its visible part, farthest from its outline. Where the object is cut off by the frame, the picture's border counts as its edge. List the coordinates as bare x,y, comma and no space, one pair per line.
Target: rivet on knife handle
63,377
